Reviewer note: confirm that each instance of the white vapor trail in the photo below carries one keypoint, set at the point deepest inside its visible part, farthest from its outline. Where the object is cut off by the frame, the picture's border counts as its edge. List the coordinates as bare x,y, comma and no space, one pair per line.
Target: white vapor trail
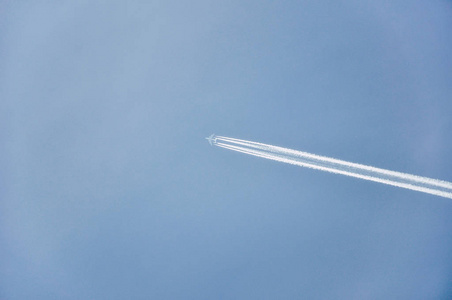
304,159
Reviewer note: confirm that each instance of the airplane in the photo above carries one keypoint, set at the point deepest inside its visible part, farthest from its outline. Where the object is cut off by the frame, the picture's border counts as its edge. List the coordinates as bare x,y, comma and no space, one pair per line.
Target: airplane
212,139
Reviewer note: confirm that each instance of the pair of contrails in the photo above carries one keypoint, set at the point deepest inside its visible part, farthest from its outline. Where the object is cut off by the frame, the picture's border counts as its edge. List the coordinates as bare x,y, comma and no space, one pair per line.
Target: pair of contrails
304,159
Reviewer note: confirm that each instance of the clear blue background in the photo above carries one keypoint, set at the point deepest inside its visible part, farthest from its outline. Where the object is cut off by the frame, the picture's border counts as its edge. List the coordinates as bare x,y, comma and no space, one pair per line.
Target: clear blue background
108,189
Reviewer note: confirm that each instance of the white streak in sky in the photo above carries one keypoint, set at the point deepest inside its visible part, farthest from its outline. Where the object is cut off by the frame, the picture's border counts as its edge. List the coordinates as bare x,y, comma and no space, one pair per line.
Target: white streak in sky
304,159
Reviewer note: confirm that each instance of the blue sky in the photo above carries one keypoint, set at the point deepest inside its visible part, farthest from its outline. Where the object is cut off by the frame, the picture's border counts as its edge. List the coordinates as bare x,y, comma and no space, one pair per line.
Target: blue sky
108,189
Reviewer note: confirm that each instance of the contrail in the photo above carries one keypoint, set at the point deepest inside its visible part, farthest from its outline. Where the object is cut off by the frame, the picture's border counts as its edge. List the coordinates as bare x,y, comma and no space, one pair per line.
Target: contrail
304,159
